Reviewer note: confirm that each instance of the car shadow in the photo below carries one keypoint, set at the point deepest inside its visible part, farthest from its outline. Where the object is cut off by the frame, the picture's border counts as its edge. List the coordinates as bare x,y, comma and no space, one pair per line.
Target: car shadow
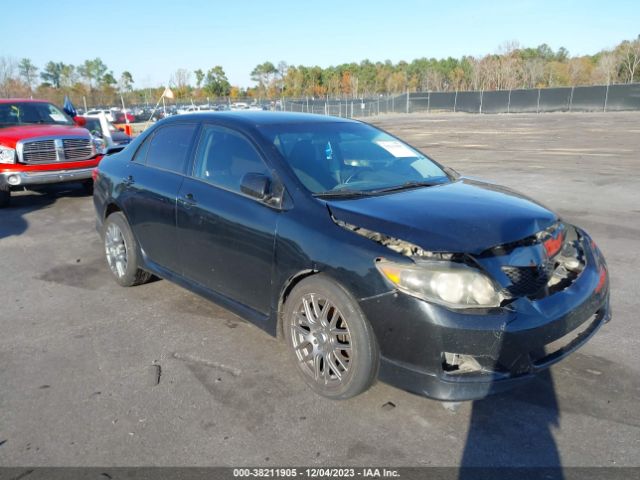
511,434
515,430
12,218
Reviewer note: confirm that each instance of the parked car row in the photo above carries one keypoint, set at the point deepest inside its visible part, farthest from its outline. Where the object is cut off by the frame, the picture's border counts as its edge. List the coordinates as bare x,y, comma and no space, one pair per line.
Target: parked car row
130,115
113,115
144,114
249,106
181,110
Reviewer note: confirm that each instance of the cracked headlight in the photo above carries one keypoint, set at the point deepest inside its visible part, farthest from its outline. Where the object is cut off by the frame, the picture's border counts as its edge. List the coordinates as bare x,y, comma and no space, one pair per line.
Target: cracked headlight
7,155
450,284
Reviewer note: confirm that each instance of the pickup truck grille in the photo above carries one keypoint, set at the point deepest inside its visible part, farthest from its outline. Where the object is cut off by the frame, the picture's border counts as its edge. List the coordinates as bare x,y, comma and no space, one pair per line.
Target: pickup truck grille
43,151
55,150
77,148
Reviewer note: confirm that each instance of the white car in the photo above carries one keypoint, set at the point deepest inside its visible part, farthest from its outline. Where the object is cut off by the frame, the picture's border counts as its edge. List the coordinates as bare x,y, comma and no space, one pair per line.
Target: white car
191,109
106,136
107,113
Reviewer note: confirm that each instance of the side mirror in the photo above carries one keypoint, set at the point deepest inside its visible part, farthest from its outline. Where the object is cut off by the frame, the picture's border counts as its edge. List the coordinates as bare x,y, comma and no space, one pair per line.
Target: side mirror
256,185
80,121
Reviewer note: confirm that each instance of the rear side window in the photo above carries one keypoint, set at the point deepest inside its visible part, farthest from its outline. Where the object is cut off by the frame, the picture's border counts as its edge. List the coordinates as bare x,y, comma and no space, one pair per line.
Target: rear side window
169,147
141,154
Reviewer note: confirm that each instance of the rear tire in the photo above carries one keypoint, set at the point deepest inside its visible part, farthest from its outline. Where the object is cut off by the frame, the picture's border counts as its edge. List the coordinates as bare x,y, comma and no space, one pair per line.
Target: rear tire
5,197
331,342
121,251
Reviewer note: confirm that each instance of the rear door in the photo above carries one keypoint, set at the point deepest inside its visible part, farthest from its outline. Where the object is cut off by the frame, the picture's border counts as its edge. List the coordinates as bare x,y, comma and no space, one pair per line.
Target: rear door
226,238
151,188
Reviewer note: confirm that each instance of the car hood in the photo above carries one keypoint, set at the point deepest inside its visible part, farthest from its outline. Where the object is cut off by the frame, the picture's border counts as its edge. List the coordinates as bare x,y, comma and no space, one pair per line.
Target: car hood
465,216
9,136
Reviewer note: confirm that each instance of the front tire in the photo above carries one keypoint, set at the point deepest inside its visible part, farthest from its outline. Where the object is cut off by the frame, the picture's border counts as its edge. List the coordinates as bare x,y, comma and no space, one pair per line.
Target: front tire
121,252
331,341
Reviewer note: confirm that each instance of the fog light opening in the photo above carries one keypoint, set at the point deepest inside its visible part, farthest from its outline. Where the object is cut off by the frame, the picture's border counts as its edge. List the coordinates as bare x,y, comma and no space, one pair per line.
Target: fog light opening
13,180
457,363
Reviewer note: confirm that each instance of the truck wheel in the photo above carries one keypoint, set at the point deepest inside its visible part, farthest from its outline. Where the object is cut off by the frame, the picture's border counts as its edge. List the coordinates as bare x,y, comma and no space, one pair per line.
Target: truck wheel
122,252
330,339
5,197
87,186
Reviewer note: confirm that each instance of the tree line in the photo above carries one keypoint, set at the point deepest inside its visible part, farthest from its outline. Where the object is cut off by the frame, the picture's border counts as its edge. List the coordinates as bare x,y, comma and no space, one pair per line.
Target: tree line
94,83
513,66
92,79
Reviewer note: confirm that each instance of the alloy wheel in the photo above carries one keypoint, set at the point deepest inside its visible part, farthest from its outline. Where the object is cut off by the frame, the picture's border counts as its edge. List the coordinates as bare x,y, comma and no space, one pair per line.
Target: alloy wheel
116,250
321,340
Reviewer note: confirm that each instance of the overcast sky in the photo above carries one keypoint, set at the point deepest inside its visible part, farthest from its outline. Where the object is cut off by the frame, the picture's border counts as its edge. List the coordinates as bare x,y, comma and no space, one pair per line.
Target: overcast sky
152,39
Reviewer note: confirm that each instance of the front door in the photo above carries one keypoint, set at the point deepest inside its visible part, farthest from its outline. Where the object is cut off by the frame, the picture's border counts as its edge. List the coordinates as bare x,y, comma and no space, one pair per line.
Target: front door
226,238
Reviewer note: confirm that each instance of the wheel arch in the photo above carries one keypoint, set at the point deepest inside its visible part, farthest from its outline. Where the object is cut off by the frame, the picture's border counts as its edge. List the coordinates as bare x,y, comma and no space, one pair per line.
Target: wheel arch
111,208
286,289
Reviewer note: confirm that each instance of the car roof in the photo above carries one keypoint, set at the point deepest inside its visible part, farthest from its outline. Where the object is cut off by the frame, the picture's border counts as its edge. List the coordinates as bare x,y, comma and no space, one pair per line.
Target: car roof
259,117
22,100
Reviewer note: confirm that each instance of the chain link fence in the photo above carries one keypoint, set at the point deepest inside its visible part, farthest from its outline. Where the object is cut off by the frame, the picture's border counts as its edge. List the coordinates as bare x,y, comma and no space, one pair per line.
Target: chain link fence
358,107
598,98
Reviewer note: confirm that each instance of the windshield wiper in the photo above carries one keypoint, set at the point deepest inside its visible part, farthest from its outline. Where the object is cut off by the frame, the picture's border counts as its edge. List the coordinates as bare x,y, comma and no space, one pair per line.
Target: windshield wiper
342,194
369,193
407,186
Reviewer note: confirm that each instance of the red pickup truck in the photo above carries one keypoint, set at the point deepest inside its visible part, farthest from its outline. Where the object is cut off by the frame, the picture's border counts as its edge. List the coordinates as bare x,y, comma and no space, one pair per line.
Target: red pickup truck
40,144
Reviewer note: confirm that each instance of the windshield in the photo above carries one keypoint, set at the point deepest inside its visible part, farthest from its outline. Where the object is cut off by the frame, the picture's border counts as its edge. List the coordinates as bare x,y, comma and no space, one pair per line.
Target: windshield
21,113
336,158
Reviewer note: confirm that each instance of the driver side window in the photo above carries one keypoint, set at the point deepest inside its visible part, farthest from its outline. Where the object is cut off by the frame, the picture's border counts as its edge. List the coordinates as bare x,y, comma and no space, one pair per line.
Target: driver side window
224,157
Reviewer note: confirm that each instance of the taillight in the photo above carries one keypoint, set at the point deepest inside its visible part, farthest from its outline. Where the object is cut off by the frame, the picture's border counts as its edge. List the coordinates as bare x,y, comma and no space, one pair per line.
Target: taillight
94,174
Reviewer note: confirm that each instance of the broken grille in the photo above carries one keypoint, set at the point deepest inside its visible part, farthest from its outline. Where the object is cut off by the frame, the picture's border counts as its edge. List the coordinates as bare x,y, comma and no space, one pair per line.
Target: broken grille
528,280
537,282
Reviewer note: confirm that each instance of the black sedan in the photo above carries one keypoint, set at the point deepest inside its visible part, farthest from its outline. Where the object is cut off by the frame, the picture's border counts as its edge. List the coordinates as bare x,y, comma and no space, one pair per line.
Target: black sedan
367,257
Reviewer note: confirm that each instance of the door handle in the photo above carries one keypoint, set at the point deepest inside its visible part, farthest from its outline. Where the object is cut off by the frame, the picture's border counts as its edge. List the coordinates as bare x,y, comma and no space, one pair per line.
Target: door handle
188,199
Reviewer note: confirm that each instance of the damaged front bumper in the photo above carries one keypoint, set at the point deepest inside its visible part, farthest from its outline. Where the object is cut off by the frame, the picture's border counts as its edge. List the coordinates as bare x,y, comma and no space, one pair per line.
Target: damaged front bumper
464,355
